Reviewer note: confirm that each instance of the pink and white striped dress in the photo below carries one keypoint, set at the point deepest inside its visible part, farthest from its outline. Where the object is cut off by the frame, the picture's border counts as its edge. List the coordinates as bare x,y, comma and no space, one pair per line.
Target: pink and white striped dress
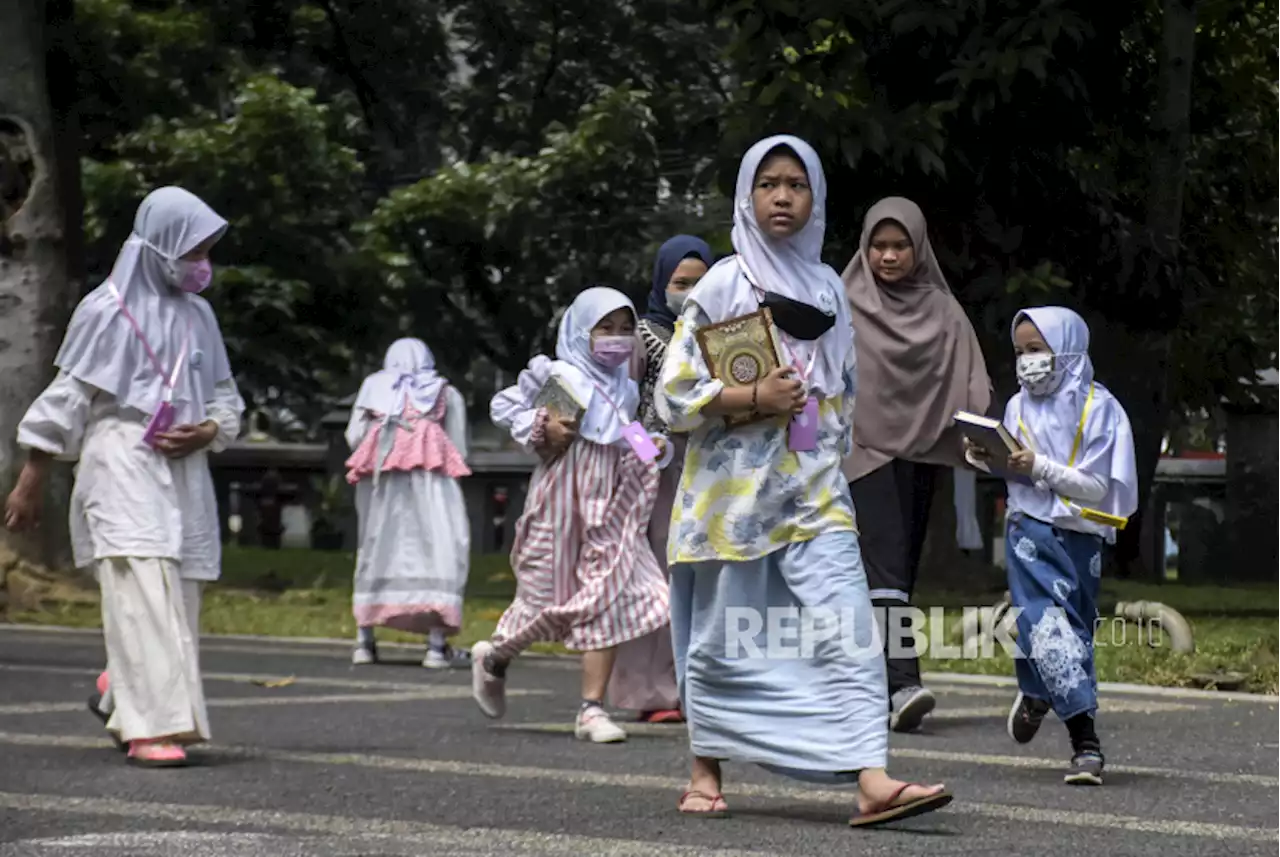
586,575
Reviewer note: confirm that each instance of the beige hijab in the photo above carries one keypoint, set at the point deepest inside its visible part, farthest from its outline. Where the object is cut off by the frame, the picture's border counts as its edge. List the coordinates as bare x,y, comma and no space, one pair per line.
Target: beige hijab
918,358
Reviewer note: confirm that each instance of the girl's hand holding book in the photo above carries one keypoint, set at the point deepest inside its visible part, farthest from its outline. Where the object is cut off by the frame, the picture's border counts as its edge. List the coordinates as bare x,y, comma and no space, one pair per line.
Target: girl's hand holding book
975,451
1022,461
558,434
777,393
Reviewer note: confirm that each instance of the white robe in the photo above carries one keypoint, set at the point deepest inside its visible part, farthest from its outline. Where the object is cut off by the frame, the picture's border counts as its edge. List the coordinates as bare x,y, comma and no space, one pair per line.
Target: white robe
148,526
129,500
414,538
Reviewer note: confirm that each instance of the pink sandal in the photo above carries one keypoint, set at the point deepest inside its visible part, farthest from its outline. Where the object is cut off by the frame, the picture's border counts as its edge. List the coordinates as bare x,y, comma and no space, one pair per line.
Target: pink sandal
718,808
156,754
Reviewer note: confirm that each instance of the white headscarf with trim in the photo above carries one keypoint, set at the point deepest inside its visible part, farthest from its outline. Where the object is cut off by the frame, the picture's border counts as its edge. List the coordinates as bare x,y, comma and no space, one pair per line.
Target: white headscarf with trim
408,371
792,267
1106,446
101,347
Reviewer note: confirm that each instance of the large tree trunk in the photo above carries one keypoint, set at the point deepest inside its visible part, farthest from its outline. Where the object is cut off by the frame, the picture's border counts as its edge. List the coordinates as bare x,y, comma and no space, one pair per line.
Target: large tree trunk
34,284
1170,142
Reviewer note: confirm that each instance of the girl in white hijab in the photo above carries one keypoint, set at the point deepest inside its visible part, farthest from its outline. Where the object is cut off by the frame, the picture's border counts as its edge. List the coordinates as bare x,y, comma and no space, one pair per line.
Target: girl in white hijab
763,525
144,390
586,576
1072,484
408,430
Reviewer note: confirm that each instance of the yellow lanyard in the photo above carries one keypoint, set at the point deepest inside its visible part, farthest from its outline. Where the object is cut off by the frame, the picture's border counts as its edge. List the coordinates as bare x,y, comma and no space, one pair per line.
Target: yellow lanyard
1075,446
1085,512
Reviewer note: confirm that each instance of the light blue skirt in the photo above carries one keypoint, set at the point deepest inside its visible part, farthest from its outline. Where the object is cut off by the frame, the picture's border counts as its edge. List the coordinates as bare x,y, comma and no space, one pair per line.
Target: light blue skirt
812,706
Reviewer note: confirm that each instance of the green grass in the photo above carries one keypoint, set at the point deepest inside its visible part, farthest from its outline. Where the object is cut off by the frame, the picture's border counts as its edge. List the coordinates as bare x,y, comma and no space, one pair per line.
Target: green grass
302,593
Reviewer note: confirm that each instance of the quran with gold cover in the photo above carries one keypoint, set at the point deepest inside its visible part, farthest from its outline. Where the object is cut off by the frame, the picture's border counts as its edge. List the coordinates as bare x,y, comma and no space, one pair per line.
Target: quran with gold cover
559,400
740,352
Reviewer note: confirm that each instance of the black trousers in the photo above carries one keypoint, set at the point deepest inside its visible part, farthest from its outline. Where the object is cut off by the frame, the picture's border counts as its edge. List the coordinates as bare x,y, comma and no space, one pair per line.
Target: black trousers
892,504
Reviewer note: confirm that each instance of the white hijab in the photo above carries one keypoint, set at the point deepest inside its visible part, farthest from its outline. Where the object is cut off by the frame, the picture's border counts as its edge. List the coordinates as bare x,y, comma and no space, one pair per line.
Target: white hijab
589,381
101,347
1106,448
792,267
409,369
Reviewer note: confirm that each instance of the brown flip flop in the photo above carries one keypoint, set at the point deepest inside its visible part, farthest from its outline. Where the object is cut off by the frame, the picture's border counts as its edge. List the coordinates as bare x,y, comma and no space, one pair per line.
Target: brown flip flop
887,812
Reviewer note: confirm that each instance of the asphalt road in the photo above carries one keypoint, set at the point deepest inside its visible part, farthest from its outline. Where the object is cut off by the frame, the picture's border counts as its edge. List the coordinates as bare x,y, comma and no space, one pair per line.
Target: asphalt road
396,760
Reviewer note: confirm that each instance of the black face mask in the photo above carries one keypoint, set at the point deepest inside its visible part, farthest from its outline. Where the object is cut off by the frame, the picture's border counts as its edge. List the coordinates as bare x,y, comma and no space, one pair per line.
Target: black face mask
797,318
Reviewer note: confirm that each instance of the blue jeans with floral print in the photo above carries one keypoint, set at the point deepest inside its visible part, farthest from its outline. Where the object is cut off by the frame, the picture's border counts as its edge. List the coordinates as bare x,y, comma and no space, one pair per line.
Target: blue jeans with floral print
1054,577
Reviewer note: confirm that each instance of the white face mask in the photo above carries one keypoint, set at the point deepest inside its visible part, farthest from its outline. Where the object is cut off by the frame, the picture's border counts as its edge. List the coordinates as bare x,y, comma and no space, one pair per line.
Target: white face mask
1041,374
675,301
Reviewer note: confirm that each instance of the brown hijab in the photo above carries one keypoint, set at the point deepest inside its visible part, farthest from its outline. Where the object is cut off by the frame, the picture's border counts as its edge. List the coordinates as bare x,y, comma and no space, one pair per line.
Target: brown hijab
918,357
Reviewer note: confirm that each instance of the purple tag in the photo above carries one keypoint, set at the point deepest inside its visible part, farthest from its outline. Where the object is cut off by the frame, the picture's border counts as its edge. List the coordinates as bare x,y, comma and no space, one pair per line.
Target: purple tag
802,434
160,423
640,441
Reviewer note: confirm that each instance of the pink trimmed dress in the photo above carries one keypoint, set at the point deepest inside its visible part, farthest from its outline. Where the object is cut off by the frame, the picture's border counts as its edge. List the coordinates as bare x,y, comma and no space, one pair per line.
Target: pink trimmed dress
585,573
414,537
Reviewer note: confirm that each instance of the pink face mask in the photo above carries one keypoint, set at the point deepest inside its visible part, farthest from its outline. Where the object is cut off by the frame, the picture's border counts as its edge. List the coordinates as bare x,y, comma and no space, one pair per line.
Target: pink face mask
612,351
195,276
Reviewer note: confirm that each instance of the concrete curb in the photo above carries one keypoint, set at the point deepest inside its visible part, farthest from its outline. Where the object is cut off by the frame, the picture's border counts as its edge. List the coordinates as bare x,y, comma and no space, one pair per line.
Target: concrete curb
317,642
929,678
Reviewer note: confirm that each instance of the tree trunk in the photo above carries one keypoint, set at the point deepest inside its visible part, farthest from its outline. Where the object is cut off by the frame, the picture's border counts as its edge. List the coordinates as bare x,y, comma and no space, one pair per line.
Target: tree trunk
34,286
1170,142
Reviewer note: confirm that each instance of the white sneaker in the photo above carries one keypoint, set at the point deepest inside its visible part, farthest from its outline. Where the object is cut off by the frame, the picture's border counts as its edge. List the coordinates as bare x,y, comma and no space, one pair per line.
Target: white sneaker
363,655
450,658
595,725
487,690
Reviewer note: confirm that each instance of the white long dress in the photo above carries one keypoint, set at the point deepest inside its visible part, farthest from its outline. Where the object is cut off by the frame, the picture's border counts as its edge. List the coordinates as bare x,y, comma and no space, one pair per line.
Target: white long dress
148,527
414,537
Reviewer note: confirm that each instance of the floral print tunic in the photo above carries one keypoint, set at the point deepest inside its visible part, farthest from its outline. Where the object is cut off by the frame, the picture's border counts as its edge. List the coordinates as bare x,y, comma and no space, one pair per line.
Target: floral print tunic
743,493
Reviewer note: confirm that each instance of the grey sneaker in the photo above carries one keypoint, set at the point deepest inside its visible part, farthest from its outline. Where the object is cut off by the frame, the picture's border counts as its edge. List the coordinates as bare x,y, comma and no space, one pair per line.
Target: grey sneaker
488,690
908,708
1025,717
594,724
364,655
450,658
1085,770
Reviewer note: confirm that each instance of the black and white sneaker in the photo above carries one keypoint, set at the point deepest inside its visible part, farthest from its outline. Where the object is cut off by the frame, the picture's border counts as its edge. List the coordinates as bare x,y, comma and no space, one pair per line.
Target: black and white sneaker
1086,769
1025,717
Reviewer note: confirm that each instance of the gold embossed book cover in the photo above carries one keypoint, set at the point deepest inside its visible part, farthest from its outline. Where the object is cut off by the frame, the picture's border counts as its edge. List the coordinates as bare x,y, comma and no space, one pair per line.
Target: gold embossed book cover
739,352
559,400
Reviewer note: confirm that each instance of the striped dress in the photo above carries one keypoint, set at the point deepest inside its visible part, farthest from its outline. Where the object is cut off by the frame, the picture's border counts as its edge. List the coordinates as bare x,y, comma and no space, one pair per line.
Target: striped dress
586,575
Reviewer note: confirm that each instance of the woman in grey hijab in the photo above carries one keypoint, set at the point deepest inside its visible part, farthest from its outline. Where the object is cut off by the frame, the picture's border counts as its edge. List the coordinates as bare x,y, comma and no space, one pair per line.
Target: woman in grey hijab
919,362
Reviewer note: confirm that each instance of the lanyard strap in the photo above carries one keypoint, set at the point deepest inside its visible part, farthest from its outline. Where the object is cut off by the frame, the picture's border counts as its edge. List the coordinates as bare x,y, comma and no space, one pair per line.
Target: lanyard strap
795,361
617,410
172,379
1075,446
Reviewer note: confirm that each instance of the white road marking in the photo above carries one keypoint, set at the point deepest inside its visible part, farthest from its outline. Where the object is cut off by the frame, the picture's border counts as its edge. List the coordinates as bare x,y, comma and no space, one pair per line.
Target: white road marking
433,838
1019,814
429,693
249,678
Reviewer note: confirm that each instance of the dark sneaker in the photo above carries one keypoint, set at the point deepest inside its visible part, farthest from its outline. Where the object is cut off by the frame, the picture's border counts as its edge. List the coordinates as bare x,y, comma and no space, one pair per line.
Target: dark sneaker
95,702
1086,769
908,708
1025,717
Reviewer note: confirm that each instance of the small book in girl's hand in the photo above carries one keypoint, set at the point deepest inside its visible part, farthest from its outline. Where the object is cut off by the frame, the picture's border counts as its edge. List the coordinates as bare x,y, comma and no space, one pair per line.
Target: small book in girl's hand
989,434
559,400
